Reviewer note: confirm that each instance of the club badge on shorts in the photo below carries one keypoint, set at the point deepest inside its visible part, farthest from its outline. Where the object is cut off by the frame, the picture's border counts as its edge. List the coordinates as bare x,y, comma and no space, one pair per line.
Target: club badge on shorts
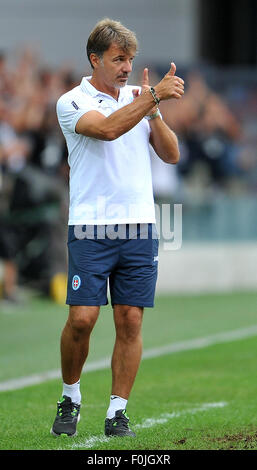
76,282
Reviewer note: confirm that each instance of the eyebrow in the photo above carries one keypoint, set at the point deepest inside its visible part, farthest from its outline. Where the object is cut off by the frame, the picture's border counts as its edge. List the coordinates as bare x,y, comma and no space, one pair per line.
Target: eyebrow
122,56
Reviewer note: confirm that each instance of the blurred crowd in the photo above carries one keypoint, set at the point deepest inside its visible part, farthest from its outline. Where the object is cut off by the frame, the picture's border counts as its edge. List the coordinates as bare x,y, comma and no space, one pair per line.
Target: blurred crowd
217,137
33,176
218,153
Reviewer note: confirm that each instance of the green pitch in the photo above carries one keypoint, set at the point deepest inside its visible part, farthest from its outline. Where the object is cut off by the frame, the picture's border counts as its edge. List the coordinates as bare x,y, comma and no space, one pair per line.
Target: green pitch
202,398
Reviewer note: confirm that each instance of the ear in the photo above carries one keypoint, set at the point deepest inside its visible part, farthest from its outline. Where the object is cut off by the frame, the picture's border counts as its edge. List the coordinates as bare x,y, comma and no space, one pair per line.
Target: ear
95,60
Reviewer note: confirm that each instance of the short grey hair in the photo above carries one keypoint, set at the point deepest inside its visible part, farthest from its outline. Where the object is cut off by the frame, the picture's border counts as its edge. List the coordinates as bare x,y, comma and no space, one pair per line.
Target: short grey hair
107,32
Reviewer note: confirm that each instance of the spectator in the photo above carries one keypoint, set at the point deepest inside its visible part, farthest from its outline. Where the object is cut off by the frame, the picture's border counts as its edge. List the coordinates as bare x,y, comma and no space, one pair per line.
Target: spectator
208,129
33,169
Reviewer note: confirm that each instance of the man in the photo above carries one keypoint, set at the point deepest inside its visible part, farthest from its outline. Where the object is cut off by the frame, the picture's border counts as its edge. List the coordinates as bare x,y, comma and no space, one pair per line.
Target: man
108,126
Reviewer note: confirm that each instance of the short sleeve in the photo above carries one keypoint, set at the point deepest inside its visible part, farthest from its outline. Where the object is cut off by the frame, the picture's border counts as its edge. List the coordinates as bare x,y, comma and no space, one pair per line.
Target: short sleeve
69,111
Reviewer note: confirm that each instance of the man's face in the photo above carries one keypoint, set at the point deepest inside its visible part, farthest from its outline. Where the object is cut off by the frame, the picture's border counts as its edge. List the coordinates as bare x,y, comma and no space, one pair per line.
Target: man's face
115,66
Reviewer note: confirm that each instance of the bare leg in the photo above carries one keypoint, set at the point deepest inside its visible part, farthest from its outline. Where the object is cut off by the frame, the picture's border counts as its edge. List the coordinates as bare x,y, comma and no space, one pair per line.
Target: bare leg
127,349
75,341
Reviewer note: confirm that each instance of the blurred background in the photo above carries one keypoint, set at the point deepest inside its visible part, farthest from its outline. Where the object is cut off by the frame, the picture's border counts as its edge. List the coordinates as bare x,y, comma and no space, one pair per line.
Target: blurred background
42,55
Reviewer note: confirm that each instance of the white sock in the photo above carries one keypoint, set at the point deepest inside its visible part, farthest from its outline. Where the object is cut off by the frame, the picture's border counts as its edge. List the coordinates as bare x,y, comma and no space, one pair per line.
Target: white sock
116,403
72,391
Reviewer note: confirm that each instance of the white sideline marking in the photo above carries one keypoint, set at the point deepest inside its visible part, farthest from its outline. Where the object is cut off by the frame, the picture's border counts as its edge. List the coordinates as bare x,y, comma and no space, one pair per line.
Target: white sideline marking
150,422
197,343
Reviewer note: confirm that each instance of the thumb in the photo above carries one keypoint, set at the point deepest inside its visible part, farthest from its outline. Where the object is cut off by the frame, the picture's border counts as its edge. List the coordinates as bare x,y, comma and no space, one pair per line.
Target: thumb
145,80
172,70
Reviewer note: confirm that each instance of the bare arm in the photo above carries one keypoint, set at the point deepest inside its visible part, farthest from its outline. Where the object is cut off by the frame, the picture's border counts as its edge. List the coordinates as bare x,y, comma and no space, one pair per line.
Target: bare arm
162,138
94,124
164,141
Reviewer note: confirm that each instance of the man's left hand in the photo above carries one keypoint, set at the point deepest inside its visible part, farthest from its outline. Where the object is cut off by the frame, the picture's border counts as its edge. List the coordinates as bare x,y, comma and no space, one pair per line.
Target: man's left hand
145,86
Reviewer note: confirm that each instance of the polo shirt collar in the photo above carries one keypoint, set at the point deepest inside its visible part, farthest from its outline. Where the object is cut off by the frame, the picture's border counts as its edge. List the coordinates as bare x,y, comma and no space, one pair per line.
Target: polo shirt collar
88,88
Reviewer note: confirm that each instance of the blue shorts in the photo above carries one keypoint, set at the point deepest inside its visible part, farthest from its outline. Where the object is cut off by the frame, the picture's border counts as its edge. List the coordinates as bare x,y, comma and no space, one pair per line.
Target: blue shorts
129,262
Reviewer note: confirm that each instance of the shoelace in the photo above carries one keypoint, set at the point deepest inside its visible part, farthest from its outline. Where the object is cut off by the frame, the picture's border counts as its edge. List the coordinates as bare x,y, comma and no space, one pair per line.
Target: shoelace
123,420
65,410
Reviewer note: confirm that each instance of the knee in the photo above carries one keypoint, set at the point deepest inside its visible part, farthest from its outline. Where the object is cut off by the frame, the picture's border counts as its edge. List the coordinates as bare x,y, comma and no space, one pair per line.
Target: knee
128,323
82,322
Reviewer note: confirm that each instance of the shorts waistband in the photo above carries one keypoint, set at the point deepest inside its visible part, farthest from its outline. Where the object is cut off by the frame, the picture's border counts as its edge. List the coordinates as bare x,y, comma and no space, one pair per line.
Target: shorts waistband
114,232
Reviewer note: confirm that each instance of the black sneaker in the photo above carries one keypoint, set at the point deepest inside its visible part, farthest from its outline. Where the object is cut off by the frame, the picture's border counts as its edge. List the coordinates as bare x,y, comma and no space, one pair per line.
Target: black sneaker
67,418
118,426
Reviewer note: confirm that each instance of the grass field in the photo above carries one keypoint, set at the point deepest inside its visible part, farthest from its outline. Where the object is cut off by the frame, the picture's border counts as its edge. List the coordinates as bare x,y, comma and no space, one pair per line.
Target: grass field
195,398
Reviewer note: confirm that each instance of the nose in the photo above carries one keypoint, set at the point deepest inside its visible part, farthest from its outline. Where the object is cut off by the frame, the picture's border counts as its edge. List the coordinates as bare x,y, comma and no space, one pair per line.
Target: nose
127,66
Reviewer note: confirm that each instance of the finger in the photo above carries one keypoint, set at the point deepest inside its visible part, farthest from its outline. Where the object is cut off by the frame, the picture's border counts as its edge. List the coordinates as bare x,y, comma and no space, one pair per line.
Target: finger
178,83
179,80
145,77
172,70
179,91
179,86
177,96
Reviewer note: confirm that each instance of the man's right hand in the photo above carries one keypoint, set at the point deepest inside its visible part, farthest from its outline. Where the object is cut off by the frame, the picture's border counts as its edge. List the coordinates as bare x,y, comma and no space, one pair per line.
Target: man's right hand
170,86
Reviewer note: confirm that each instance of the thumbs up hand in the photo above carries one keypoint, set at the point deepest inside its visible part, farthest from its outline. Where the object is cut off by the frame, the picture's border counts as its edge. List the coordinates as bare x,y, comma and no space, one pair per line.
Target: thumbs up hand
170,86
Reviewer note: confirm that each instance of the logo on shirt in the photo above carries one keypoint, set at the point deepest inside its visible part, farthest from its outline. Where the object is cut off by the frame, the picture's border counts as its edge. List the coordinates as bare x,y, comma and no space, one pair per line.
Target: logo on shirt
76,282
74,105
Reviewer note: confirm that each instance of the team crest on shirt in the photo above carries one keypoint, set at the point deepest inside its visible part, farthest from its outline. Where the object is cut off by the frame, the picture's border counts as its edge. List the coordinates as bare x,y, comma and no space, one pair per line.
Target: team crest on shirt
76,282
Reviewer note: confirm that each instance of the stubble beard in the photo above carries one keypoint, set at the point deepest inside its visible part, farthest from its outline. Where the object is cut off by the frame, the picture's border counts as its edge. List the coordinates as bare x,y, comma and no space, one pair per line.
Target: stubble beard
118,86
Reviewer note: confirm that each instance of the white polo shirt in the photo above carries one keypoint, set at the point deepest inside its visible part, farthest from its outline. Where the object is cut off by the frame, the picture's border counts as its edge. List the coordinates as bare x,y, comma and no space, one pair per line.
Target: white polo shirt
110,181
